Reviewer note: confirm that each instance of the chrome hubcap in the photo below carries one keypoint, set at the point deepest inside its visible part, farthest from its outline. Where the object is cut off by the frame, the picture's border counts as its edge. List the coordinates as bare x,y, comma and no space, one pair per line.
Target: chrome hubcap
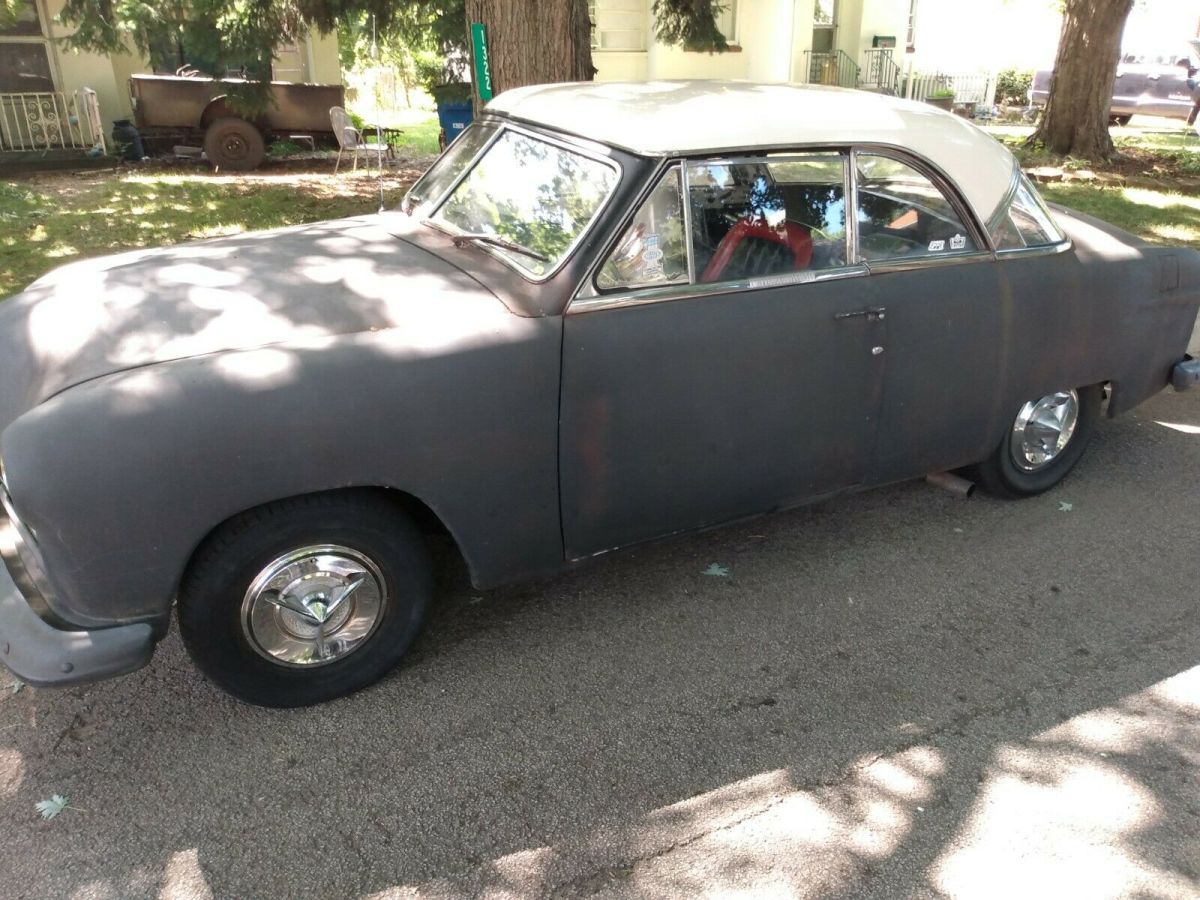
1042,430
313,606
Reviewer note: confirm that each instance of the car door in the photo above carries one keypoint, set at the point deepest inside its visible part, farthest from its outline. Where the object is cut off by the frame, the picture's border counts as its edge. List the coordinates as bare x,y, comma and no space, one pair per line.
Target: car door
1128,87
932,272
721,362
1167,92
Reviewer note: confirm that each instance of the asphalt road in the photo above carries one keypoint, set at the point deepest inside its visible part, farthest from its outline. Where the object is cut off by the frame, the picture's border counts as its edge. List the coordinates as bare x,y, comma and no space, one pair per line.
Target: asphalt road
899,693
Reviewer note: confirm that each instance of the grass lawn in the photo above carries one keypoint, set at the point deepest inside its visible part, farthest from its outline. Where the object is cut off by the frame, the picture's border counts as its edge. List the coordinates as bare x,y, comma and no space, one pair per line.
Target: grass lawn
420,130
420,135
49,220
1162,217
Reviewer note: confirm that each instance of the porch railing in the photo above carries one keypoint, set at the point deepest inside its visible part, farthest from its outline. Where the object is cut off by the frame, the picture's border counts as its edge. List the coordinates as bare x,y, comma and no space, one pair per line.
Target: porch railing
51,120
835,68
880,71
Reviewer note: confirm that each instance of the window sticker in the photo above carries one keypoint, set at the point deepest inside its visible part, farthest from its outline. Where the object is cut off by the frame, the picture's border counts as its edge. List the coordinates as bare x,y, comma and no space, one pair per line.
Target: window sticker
935,246
652,256
958,242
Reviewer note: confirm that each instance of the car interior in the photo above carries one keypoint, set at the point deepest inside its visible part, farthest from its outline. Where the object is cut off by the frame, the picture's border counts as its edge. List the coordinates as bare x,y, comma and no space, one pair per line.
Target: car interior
758,219
746,223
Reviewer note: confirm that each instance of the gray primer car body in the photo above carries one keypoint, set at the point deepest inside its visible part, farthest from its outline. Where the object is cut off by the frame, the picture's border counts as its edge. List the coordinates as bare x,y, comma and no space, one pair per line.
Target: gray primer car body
212,378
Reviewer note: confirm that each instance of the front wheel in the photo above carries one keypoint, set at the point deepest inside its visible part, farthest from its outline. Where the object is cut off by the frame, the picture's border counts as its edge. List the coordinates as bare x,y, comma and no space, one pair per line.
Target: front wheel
1045,441
306,600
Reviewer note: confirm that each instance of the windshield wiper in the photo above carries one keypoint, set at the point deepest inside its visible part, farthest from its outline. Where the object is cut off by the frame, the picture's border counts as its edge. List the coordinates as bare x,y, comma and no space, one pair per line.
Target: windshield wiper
461,240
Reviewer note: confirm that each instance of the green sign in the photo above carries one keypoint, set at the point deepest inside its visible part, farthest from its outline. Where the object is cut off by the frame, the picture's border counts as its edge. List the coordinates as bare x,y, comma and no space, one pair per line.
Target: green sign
483,63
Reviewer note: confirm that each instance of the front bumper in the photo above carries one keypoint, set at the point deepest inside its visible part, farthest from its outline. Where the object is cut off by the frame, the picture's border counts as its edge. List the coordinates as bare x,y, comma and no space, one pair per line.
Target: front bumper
1185,374
37,651
43,655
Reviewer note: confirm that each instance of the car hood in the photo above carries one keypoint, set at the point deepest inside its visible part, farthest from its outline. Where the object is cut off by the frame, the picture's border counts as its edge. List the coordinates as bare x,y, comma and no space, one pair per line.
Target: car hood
306,283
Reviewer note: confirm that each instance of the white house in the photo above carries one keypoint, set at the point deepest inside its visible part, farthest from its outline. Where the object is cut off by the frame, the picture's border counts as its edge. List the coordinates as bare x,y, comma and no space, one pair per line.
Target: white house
773,40
856,43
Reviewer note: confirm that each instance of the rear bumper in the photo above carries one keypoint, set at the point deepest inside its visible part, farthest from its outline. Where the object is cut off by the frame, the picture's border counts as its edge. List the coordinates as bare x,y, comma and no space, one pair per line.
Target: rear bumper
42,655
1185,374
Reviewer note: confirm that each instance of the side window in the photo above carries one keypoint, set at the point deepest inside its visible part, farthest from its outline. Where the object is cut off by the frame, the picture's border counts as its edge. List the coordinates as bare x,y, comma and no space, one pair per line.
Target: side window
902,214
1027,222
651,252
770,216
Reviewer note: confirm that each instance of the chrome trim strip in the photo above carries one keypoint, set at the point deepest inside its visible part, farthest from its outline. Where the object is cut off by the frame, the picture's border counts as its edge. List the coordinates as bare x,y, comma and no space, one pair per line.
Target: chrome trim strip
691,291
850,189
587,152
907,264
685,200
1041,250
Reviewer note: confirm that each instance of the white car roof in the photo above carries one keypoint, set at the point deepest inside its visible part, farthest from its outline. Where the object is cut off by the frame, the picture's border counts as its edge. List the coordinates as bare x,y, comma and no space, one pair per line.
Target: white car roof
665,118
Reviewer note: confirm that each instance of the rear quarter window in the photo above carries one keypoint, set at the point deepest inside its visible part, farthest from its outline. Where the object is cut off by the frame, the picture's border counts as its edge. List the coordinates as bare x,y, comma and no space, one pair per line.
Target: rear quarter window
1027,222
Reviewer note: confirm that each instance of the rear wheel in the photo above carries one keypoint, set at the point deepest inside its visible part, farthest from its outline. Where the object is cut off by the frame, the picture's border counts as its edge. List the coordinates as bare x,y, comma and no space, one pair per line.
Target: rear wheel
234,144
305,600
1046,440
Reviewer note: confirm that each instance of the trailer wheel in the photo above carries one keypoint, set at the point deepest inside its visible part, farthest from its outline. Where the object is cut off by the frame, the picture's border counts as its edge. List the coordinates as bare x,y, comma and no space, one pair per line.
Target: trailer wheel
234,144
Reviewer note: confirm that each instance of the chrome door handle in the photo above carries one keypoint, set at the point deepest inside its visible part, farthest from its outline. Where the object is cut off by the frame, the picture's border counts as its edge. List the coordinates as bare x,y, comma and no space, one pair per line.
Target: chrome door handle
873,314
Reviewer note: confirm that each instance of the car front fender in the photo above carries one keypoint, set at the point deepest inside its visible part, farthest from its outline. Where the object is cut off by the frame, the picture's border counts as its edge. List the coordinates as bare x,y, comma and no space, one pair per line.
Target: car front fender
121,477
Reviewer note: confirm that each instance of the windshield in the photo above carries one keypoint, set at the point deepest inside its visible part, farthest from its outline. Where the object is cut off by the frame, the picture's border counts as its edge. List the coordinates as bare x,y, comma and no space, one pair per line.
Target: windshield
445,171
532,193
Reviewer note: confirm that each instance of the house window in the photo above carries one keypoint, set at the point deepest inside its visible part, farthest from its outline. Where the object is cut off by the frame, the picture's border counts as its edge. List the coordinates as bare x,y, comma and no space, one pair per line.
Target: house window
910,40
727,21
25,22
24,54
619,24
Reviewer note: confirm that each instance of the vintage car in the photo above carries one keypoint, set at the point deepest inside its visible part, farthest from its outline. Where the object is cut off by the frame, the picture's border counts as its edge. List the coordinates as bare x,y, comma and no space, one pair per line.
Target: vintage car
609,313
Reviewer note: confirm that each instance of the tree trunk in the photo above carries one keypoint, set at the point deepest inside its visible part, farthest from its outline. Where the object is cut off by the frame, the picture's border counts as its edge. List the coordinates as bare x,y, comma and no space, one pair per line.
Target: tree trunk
534,41
1075,121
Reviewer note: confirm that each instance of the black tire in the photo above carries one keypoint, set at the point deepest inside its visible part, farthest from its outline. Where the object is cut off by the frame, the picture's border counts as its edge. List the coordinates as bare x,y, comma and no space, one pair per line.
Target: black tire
234,144
1000,476
216,584
1121,120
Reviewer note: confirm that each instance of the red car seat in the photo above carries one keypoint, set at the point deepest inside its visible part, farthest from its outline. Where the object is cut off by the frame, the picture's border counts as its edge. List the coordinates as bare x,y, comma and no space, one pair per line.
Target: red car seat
791,235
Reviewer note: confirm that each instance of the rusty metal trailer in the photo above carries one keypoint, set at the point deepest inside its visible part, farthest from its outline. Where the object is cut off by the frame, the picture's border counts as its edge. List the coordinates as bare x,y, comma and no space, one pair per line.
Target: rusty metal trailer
200,107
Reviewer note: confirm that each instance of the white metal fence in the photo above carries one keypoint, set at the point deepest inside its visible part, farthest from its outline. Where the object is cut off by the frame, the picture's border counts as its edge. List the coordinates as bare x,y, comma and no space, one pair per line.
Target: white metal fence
880,72
968,87
52,120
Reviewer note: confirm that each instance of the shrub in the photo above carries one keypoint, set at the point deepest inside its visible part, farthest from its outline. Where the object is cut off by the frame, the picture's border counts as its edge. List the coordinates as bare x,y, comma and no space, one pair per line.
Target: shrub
1012,87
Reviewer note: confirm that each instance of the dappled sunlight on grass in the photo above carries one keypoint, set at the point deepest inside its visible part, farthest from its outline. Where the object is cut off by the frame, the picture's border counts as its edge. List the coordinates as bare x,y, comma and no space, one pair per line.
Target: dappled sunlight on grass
49,218
1159,217
1158,200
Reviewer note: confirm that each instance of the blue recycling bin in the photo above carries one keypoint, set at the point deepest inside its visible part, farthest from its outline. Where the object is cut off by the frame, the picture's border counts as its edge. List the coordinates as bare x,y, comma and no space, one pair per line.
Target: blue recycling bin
454,118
